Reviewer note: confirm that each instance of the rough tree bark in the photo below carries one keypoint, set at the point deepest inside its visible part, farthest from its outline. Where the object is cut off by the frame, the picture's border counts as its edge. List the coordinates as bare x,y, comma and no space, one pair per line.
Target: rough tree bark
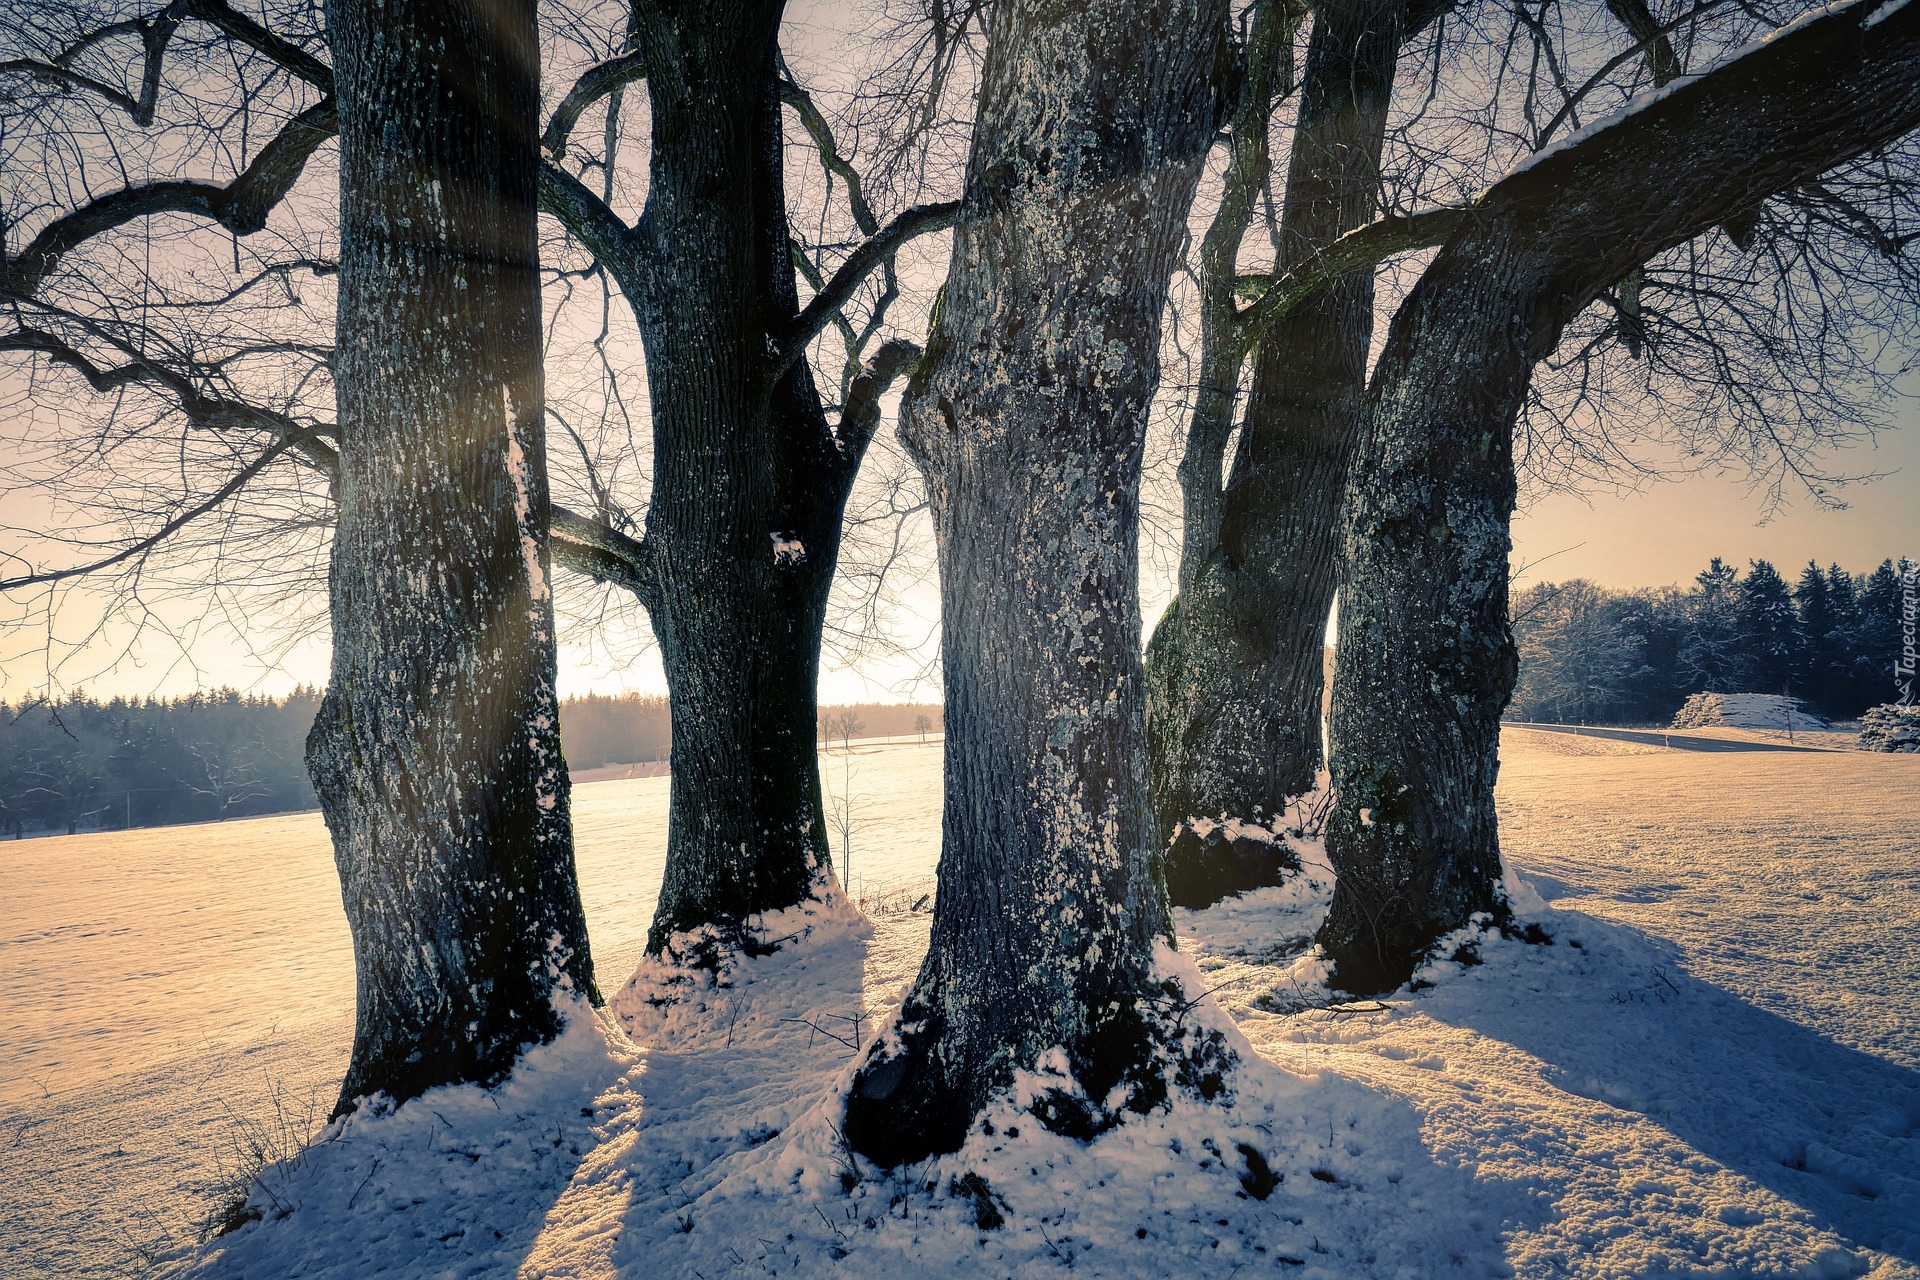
1235,670
750,479
1426,657
436,752
736,606
1028,418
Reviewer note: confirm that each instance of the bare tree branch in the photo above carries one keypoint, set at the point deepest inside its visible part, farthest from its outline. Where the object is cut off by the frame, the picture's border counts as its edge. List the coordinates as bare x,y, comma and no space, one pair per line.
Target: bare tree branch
1368,246
72,79
830,158
241,206
594,84
154,37
621,249
601,552
861,263
208,412
237,482
264,42
860,416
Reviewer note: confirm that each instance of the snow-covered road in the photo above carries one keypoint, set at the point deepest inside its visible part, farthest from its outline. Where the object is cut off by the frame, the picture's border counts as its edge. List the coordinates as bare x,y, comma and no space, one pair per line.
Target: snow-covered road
1660,738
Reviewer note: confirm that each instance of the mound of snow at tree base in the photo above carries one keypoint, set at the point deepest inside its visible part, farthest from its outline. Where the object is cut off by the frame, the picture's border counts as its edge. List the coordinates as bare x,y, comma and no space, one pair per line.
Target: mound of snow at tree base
1745,711
1585,1108
1891,727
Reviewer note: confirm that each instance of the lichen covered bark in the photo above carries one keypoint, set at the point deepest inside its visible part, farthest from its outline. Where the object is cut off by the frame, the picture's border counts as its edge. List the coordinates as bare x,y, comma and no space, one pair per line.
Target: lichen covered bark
436,751
1235,680
1028,418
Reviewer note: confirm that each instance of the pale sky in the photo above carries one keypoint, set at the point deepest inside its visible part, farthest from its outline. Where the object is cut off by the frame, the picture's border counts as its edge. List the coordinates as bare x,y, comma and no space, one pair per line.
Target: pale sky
1666,533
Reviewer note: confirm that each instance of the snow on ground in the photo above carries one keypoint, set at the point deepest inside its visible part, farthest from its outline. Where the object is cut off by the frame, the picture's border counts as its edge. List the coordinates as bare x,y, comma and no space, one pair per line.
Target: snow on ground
1713,1070
1651,1094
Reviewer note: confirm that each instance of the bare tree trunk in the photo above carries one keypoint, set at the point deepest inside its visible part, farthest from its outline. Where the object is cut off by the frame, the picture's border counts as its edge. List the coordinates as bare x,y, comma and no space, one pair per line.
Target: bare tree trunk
750,480
1028,418
436,753
749,486
1426,656
1235,678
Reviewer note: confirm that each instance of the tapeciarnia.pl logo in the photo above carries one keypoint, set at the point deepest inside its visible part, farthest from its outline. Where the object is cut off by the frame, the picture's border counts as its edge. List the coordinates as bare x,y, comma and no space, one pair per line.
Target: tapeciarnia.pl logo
1903,665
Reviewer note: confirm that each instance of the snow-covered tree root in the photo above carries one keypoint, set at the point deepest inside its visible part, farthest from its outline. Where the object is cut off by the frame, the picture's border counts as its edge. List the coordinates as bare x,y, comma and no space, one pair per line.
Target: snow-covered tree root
924,1085
698,977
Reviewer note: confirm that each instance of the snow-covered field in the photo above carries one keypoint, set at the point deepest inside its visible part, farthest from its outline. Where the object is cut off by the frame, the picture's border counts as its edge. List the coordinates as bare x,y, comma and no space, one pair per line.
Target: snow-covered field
1713,1070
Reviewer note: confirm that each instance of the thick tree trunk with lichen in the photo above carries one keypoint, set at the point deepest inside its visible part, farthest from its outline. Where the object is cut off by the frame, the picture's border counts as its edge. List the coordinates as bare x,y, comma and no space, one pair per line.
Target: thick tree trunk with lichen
1426,657
436,751
1028,418
1235,681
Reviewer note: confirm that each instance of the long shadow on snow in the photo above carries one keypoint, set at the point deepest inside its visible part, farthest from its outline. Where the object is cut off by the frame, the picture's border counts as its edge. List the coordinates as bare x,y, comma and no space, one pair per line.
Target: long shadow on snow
1357,1191
723,1076
460,1181
1829,1128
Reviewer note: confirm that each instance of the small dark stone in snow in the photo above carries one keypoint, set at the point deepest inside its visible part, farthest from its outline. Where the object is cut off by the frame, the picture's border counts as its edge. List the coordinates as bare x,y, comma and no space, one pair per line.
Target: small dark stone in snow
1259,1180
1140,1234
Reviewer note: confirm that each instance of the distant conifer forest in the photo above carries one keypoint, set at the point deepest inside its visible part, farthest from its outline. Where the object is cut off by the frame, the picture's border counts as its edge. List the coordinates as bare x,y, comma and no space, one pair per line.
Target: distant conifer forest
1591,655
79,763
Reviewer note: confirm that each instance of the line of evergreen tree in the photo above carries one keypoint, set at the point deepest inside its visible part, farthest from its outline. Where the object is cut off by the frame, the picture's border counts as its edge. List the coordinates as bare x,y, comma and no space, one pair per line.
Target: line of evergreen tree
80,763
1589,654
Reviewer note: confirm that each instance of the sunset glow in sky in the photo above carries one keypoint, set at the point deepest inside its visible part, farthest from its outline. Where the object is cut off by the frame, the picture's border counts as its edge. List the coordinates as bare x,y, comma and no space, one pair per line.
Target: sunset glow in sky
1663,534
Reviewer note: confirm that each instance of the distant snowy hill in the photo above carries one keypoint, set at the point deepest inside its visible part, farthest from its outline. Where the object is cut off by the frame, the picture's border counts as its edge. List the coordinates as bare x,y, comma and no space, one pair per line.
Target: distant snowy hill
1891,727
1745,711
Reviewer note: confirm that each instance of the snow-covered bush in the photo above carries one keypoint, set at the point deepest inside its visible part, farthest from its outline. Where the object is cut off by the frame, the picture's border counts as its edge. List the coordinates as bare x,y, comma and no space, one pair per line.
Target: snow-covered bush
1745,711
1891,727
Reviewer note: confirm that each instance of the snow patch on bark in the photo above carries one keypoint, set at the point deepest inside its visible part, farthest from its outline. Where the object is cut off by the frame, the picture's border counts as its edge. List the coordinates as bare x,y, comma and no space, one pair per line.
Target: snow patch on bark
1881,14
788,549
1522,897
523,502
